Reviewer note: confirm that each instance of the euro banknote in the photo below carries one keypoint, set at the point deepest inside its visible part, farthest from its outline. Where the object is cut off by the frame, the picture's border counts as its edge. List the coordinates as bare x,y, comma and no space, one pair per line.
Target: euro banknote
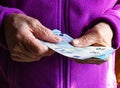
66,49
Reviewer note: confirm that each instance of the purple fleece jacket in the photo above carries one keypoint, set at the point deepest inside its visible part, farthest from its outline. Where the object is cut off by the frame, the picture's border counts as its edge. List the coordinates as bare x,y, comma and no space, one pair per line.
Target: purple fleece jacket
73,17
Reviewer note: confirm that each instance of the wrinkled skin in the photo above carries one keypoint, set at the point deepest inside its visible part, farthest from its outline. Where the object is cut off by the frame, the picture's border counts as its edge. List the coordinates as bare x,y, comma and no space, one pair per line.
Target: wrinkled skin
100,35
23,35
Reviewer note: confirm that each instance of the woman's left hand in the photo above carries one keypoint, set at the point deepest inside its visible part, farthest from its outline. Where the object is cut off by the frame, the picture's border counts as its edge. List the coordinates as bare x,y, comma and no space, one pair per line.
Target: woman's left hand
99,35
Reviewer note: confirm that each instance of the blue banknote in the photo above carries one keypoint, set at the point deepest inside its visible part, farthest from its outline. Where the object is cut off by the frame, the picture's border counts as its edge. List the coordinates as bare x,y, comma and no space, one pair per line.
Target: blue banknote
66,49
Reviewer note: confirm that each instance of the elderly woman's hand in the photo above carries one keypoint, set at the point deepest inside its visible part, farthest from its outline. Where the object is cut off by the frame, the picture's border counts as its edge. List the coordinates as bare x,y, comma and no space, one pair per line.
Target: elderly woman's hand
22,35
100,35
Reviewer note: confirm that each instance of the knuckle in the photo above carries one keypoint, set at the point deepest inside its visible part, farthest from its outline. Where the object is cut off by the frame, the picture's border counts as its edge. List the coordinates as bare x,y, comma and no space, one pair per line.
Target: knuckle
84,39
20,56
18,37
45,33
37,59
14,50
38,52
34,21
42,51
16,58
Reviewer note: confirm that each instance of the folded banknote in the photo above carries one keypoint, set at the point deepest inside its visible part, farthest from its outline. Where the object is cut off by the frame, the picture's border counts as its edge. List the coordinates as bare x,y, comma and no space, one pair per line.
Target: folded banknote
65,48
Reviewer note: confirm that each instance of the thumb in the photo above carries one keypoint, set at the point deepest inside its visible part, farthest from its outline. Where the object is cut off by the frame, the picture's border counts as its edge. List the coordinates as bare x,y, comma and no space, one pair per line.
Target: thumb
86,40
46,34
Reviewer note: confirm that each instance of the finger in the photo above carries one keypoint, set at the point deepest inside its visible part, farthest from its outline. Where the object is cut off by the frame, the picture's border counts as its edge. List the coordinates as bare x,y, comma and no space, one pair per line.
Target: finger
19,53
80,61
44,33
35,47
47,35
95,61
85,40
31,46
50,52
19,59
22,57
90,61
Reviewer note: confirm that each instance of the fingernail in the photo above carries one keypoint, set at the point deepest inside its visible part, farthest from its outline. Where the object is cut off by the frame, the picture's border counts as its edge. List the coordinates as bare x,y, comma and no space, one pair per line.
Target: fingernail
76,42
58,38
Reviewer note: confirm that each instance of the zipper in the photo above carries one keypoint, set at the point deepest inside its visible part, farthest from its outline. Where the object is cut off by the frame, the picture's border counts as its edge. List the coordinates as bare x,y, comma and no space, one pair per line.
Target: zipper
59,24
65,60
63,25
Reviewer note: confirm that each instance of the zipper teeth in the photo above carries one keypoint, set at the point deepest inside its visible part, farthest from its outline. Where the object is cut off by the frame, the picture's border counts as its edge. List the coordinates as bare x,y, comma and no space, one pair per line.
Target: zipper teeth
63,25
60,28
65,61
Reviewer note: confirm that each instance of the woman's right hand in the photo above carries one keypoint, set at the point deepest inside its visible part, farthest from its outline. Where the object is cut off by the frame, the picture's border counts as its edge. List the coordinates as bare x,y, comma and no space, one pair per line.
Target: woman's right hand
23,35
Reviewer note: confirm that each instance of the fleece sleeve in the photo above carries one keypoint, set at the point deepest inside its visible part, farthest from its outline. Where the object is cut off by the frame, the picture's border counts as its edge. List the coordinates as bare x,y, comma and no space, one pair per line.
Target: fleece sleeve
112,16
4,12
